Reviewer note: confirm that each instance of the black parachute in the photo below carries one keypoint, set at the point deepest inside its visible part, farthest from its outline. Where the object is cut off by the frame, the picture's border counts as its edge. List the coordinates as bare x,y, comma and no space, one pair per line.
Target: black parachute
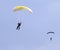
50,33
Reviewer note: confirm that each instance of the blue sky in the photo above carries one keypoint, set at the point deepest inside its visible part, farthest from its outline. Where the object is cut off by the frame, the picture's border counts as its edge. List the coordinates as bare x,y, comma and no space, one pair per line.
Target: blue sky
32,36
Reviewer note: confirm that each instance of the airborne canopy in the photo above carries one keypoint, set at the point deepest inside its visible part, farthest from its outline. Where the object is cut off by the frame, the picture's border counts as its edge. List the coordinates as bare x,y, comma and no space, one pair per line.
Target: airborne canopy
50,33
17,8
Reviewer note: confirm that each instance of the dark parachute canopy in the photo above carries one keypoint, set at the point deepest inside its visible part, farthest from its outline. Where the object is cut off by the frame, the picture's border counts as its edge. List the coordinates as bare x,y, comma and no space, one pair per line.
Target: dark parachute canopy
50,33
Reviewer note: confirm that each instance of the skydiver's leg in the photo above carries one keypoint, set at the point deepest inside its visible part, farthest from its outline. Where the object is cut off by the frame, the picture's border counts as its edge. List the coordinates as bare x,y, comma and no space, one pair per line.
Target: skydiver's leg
17,27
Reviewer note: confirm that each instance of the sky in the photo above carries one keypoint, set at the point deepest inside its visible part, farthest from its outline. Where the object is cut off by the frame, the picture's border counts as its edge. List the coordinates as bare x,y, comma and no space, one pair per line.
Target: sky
32,35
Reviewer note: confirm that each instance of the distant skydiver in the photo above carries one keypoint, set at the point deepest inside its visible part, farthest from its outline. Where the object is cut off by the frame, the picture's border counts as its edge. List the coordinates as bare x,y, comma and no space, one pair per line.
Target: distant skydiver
50,34
19,8
50,38
18,26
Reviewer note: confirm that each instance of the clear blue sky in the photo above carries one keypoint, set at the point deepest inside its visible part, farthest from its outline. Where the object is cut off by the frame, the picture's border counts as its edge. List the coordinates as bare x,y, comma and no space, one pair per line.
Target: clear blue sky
32,36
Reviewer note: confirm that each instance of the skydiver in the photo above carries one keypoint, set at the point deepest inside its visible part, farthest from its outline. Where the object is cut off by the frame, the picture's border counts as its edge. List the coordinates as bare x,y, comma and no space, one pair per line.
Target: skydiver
18,26
50,38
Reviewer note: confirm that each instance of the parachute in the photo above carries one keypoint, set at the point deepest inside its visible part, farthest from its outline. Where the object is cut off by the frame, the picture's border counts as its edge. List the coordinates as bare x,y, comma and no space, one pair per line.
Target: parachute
50,34
17,8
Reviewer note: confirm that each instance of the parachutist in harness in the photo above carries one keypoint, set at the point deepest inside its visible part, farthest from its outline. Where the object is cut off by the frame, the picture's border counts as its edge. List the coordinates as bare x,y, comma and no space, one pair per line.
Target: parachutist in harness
50,38
18,27
50,34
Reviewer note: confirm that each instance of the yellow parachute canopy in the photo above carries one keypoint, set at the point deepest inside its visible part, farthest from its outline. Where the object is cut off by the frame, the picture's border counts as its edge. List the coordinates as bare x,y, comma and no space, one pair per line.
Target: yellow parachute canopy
17,8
